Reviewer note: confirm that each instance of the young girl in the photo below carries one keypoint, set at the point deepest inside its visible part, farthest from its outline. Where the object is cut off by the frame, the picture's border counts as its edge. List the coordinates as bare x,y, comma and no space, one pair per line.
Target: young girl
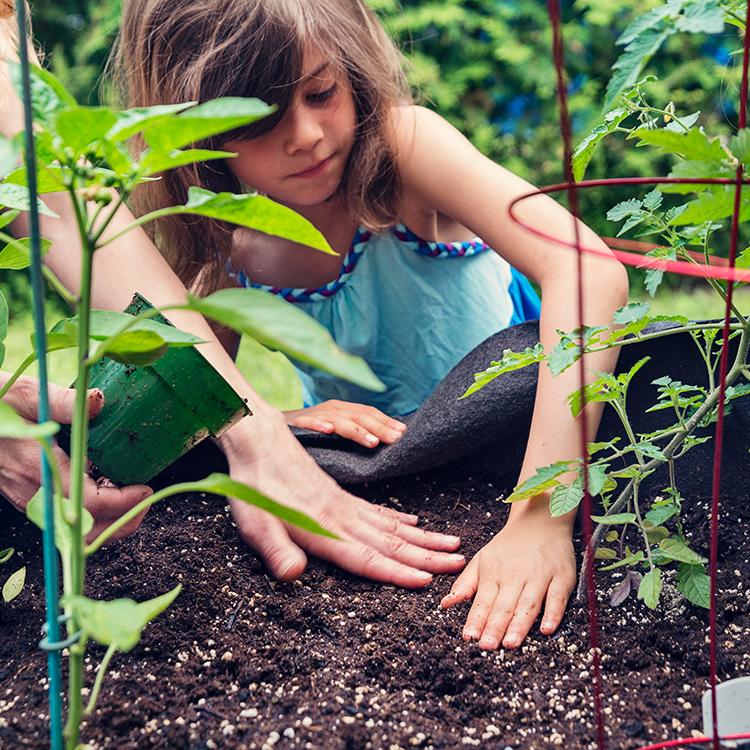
403,197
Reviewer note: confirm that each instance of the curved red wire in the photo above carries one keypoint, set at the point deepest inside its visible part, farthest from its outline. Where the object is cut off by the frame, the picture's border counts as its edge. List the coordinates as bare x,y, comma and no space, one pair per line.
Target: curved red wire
695,741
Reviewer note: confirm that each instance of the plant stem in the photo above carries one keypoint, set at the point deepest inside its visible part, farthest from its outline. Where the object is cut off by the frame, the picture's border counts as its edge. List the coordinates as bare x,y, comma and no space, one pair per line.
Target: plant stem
111,651
79,440
17,374
139,222
738,367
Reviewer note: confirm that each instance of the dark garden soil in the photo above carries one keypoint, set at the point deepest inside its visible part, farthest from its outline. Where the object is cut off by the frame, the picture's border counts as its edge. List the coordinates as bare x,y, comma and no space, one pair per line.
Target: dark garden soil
332,661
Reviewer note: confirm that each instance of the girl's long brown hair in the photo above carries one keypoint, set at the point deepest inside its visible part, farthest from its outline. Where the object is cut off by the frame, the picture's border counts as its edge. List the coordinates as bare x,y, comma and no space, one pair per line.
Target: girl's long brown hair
172,51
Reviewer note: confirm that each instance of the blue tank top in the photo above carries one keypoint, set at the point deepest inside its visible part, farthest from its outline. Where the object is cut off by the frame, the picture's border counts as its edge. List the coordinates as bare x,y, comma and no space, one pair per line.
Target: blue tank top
411,309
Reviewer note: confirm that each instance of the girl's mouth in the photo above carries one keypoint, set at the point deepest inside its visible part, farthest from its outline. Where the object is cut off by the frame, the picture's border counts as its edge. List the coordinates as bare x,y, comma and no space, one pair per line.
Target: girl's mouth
315,169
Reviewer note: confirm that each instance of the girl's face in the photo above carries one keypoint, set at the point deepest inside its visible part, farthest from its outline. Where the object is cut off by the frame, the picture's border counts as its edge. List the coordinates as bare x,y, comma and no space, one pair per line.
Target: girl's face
301,162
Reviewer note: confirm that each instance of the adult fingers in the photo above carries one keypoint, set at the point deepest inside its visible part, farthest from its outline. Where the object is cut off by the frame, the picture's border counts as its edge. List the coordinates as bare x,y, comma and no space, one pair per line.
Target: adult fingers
557,600
381,510
464,587
62,403
365,561
101,525
526,607
420,537
395,547
108,501
268,537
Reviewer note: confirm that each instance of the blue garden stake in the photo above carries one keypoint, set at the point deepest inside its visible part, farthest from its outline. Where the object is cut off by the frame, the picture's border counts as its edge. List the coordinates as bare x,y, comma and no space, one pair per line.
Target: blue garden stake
51,642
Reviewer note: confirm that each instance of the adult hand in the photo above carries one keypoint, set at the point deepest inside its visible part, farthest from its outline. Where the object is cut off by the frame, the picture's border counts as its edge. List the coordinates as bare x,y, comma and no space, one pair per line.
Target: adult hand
375,542
531,560
365,425
20,460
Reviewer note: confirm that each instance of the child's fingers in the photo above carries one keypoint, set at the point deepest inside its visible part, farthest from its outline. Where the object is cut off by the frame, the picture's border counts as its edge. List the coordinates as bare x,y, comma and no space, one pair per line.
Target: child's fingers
316,424
382,430
350,429
389,422
481,609
527,607
464,587
557,601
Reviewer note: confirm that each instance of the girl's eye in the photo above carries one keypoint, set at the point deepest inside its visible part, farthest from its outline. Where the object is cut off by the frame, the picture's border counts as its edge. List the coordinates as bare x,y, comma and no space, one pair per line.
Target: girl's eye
321,96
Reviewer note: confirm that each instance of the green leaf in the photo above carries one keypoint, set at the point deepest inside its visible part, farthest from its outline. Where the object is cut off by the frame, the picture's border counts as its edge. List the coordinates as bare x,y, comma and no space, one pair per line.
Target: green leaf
6,554
63,530
565,498
627,69
4,319
138,348
509,362
631,313
739,145
14,427
660,514
718,203
615,518
281,326
80,126
695,170
9,155
14,585
156,162
695,585
633,559
650,20
255,212
691,145
221,484
48,95
118,622
543,479
702,17
653,199
655,534
585,149
49,179
205,120
16,255
624,209
650,589
605,553
132,121
17,196
676,549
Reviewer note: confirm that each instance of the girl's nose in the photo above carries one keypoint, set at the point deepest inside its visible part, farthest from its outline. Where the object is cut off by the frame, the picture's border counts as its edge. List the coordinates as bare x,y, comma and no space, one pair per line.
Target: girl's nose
304,132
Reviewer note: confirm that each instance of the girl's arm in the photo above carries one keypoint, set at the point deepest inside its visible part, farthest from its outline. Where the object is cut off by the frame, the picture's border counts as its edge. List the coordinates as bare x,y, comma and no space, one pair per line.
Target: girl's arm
373,541
532,558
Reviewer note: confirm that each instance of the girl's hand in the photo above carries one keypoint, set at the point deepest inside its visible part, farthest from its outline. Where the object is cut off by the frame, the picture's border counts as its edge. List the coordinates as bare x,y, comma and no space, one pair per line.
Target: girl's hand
530,562
365,425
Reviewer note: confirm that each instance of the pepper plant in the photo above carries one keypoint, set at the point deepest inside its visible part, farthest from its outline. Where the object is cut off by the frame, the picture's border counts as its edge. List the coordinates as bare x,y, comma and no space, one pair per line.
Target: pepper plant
688,223
83,152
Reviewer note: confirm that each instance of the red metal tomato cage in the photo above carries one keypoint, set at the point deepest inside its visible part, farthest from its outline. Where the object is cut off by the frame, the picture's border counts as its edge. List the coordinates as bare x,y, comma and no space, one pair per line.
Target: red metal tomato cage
631,253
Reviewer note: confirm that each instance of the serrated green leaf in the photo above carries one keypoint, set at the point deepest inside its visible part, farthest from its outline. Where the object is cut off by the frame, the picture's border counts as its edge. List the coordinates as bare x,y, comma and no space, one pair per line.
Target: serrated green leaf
650,20
283,327
678,550
633,559
631,313
221,484
565,498
695,585
16,255
739,145
615,518
14,585
119,622
543,479
624,209
627,69
653,199
691,145
203,121
585,149
718,203
650,588
510,362
702,17
14,427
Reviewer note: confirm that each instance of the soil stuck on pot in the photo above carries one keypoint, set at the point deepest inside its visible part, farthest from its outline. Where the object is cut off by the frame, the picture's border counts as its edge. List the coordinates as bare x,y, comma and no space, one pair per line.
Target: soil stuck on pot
333,661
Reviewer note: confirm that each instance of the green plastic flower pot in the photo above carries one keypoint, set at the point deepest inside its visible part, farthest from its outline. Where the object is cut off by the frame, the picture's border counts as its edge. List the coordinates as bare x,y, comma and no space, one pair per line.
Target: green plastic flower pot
152,415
